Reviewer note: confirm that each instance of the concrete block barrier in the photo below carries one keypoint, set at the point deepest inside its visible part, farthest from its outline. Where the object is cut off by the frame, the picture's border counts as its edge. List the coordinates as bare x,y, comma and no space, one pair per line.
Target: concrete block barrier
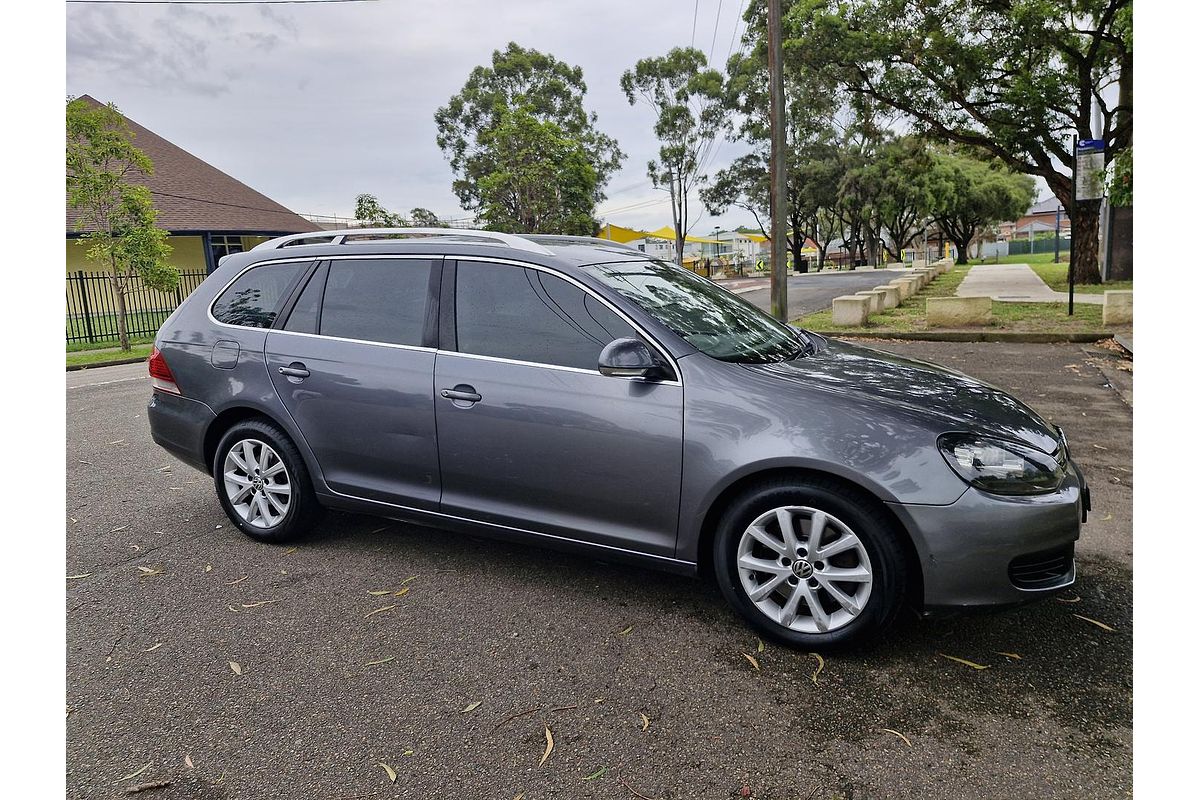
891,295
876,299
851,310
1118,307
958,312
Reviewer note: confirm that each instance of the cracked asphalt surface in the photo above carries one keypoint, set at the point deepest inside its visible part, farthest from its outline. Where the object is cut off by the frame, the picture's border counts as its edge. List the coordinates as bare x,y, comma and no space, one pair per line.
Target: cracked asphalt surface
173,594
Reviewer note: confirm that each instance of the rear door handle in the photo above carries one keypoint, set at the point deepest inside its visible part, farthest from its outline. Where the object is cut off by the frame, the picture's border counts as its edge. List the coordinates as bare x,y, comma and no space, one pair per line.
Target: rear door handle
294,370
464,393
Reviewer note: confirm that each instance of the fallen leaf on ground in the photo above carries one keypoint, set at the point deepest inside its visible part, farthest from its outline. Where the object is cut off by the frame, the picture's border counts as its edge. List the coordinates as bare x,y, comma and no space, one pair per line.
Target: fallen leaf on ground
1074,599
761,646
1008,655
753,661
472,707
380,661
152,648
380,592
1099,447
260,603
187,759
391,773
239,580
1106,518
1095,622
148,571
290,550
381,530
645,722
134,774
820,666
208,567
236,667
597,774
897,733
549,746
145,787
77,577
625,631
118,441
963,661
117,530
376,611
409,578
400,593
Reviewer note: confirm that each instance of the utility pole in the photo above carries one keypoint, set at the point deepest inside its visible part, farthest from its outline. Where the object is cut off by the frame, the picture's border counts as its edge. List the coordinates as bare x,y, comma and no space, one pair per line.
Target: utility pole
1057,232
779,302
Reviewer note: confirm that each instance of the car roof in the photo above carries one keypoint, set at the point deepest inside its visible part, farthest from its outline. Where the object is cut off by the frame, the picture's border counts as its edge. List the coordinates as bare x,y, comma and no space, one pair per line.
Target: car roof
547,250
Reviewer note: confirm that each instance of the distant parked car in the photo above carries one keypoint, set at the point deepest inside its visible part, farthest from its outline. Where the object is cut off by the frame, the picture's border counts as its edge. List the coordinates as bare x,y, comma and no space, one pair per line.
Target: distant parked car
578,394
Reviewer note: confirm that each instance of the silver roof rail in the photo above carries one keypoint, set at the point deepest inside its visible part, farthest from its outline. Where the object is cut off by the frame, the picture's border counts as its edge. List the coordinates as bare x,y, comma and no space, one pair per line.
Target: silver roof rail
341,236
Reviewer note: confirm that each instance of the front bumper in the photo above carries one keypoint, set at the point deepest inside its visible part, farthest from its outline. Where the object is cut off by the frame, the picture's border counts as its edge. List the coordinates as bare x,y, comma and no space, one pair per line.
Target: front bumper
985,549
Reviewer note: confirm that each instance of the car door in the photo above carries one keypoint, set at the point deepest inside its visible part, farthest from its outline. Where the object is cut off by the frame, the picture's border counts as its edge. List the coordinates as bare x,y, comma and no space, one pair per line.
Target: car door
530,434
353,364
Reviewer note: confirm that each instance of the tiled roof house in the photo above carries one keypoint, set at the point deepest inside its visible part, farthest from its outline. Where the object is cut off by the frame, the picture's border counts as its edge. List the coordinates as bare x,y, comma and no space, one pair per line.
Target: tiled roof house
208,213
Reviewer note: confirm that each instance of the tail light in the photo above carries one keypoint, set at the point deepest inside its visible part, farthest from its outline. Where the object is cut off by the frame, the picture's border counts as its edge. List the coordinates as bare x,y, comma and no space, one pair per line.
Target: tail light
161,378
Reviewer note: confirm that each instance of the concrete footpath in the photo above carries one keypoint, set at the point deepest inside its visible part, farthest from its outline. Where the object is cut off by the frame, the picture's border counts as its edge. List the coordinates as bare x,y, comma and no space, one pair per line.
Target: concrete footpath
1015,283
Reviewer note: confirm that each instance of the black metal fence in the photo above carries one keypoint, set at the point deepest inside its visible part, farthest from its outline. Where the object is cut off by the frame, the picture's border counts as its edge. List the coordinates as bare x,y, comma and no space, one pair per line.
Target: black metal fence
92,305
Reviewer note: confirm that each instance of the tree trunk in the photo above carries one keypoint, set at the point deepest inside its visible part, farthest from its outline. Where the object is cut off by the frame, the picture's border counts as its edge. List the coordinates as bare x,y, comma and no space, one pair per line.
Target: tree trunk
1085,241
798,239
821,257
122,324
961,246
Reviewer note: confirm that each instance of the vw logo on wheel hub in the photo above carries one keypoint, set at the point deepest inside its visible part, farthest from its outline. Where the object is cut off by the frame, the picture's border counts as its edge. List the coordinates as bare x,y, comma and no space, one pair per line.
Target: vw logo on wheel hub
802,569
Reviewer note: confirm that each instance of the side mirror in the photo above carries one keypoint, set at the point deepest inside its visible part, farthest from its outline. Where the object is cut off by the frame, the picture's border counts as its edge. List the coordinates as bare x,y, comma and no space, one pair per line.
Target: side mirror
628,358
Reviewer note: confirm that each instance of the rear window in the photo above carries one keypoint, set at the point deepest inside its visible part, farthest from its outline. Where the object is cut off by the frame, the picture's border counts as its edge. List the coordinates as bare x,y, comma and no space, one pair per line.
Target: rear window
377,300
253,300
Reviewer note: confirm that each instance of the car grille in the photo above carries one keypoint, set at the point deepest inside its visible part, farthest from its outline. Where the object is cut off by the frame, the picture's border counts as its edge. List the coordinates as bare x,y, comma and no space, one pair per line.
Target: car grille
1043,570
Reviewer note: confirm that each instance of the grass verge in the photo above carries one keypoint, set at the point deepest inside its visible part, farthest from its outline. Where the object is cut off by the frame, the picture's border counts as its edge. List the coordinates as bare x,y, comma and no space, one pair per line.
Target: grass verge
909,317
85,357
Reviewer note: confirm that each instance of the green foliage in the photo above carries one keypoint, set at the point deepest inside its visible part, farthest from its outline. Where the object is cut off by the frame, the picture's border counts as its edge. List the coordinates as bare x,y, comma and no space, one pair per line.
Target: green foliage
368,210
898,181
116,214
685,95
547,89
1120,185
970,193
542,180
1015,79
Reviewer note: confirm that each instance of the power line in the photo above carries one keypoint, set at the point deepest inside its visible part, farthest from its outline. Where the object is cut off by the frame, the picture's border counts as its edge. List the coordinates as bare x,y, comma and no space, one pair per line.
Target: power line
716,25
695,16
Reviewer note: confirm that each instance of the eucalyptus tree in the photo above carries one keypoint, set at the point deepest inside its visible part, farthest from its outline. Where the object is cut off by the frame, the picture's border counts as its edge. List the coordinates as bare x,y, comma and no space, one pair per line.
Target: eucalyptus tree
685,96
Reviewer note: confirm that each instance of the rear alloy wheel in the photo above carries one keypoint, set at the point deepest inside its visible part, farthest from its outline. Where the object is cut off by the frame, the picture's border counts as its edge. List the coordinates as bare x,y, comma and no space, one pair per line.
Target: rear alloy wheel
815,564
263,484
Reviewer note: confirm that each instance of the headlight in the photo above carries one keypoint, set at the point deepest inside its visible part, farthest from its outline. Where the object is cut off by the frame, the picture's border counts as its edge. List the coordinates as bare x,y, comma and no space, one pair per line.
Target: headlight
999,466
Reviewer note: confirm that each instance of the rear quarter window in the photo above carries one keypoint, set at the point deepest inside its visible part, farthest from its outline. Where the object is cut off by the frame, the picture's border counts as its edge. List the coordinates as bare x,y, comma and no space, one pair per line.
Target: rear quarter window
253,300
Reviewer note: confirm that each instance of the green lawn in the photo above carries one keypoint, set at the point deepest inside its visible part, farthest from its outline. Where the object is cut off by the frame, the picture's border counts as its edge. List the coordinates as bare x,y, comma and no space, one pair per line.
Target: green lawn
100,356
107,344
104,326
1018,317
1055,275
1036,258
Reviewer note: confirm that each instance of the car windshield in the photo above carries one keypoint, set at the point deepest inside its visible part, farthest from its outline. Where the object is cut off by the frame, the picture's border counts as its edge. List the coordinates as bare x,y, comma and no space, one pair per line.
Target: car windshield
714,321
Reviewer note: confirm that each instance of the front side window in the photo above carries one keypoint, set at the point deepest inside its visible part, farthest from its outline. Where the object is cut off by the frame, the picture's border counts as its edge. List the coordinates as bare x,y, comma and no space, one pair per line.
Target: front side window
377,300
714,321
254,298
528,315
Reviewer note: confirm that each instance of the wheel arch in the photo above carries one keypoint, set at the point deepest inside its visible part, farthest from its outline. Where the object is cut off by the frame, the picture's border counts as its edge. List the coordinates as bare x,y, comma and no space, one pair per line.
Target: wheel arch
748,482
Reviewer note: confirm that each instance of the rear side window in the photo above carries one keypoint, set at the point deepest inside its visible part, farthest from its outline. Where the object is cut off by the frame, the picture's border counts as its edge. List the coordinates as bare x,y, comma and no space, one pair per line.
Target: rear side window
254,299
377,300
529,315
306,314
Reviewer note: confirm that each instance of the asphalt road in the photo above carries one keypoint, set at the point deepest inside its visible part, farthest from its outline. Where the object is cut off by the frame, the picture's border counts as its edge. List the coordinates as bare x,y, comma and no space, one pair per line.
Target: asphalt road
165,593
815,291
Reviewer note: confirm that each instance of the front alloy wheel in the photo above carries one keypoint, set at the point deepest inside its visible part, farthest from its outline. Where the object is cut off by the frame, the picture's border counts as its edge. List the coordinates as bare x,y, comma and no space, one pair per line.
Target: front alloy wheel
804,569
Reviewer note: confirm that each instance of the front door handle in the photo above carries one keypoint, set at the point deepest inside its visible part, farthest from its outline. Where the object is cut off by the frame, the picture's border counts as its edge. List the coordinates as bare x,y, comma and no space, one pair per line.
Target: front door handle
463,393
294,370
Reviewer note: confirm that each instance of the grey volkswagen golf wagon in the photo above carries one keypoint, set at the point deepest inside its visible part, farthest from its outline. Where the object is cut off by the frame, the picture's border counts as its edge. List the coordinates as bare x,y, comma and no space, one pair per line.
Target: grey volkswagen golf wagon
577,394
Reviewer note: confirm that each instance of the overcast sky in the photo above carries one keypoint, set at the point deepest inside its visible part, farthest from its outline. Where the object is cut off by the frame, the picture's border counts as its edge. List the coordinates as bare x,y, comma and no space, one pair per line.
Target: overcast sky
313,104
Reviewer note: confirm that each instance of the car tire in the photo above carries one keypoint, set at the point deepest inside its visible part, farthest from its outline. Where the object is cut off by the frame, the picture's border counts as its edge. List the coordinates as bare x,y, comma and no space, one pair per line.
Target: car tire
264,486
750,563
